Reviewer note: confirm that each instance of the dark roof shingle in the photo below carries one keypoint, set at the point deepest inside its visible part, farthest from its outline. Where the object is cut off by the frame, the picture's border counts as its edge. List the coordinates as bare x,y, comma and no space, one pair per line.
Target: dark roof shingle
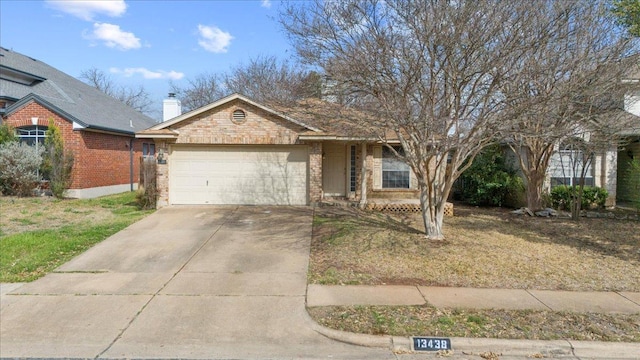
65,94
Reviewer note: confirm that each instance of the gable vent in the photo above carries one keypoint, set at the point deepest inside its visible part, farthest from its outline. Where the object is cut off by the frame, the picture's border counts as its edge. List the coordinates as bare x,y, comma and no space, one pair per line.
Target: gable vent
239,116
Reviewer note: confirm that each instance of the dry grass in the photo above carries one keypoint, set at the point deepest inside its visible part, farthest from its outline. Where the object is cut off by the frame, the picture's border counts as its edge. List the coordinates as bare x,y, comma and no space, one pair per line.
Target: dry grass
484,248
488,248
504,324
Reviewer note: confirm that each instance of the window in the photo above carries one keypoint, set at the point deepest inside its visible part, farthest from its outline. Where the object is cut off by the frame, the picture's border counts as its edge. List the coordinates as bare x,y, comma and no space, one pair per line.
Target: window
32,134
567,165
352,168
148,150
395,173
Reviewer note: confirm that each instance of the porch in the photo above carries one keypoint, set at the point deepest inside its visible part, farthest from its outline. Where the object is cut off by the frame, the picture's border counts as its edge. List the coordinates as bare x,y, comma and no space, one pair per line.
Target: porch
385,205
356,173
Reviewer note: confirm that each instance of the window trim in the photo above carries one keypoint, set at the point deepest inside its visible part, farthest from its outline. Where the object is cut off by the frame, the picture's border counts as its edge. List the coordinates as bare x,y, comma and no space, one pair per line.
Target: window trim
569,175
388,155
148,150
40,134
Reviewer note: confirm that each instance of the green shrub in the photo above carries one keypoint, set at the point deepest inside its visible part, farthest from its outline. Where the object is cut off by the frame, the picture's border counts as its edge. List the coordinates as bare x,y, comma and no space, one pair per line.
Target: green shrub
592,196
58,163
633,174
7,133
490,181
19,165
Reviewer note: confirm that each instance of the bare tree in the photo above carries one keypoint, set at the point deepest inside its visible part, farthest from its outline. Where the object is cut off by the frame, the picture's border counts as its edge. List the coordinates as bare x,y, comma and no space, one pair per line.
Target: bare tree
432,71
136,97
204,89
265,79
569,87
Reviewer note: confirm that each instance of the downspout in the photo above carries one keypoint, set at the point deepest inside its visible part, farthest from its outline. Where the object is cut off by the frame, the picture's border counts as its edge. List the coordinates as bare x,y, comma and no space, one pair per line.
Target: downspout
603,171
131,162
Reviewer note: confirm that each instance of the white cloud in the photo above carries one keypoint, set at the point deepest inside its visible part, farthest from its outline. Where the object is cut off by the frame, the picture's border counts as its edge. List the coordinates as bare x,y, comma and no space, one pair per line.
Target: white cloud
87,10
148,74
114,37
266,3
213,39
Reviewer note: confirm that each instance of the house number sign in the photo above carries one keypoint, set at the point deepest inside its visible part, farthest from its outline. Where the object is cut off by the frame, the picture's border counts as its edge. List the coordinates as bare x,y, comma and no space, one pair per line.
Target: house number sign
430,344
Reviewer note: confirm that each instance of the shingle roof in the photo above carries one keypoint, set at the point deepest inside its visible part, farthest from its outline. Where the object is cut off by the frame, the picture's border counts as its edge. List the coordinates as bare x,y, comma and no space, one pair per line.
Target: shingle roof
66,95
336,121
321,120
633,122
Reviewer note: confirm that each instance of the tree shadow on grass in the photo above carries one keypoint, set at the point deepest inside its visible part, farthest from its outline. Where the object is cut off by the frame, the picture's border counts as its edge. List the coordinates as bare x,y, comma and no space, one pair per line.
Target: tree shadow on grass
370,219
608,237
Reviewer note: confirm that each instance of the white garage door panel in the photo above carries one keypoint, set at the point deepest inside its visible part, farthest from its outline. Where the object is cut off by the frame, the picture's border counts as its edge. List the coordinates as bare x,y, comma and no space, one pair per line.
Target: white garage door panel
238,175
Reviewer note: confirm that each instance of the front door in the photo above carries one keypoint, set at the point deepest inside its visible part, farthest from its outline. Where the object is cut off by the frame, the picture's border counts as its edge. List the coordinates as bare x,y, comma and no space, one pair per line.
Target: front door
334,169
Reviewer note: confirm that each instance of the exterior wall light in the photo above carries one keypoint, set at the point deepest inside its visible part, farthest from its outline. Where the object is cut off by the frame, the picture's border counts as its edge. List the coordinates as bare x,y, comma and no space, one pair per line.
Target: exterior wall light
161,158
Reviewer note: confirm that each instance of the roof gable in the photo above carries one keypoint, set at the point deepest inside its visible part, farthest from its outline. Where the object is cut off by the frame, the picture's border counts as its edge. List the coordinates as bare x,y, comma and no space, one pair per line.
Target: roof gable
226,101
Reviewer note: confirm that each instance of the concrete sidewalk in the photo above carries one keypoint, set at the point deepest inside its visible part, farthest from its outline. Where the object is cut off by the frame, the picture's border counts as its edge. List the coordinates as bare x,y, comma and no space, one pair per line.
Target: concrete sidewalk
472,298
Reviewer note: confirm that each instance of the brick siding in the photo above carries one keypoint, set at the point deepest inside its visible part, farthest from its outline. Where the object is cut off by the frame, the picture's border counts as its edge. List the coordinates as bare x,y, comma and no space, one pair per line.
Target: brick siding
217,127
315,172
100,159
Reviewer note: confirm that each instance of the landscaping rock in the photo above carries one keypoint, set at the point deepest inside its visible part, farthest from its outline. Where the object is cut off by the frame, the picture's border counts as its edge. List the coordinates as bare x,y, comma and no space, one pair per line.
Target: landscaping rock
523,211
547,212
543,213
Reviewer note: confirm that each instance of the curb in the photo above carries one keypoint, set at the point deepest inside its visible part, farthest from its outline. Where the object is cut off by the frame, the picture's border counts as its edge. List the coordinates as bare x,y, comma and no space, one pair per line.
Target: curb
349,337
507,347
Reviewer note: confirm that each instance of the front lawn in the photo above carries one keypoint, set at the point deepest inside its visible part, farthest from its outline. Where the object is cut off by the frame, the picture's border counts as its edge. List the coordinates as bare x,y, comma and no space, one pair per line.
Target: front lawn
39,234
486,248
427,320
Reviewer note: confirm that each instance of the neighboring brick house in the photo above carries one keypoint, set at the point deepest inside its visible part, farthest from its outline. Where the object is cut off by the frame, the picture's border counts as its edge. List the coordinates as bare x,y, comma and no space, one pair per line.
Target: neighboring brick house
97,129
237,151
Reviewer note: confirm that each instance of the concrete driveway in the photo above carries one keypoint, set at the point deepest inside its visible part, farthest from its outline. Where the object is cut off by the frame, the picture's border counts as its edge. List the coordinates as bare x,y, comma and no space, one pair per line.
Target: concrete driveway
185,282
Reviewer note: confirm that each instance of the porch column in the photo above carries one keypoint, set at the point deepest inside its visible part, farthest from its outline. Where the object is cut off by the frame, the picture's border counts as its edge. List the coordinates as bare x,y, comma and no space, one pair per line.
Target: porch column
162,176
315,172
609,175
363,175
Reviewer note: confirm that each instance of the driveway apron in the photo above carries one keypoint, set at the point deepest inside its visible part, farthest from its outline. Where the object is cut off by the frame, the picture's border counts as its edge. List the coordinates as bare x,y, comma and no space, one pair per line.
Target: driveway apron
185,282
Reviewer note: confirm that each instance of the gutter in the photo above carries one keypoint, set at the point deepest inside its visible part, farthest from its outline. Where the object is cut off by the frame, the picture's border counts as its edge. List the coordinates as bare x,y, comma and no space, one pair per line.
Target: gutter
336,137
131,162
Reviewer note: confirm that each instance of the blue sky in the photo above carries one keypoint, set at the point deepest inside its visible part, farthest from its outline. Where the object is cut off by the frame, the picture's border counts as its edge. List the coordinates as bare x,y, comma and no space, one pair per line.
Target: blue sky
144,42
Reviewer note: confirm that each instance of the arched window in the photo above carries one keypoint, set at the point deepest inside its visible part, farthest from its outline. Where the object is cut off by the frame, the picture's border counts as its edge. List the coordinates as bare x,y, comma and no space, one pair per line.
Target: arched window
32,134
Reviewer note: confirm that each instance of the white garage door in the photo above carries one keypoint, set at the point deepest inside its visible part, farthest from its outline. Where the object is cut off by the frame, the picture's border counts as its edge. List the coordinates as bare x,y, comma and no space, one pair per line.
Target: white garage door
252,175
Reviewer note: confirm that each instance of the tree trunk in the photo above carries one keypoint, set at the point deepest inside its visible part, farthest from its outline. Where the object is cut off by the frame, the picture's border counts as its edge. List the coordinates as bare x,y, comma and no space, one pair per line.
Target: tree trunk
432,213
534,190
576,205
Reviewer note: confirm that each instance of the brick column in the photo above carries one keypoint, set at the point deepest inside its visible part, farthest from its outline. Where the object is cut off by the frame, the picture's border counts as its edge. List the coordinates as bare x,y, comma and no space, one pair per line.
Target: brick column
162,176
315,172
